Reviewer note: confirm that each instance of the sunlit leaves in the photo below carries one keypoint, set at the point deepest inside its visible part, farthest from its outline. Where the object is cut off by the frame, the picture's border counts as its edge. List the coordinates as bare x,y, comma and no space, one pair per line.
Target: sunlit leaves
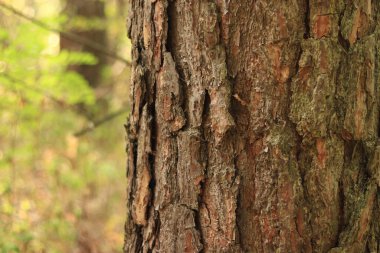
81,23
33,76
67,86
66,58
3,35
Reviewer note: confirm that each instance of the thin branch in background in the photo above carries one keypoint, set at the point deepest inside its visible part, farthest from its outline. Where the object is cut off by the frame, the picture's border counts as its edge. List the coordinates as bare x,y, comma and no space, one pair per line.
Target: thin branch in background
34,89
67,35
93,125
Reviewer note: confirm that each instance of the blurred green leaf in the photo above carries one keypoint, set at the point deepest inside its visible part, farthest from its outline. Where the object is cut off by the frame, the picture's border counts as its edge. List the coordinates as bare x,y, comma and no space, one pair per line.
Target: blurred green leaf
55,187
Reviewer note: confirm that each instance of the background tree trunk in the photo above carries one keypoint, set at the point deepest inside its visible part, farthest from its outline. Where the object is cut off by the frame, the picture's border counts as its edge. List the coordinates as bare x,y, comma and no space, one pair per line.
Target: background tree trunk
83,12
82,15
254,126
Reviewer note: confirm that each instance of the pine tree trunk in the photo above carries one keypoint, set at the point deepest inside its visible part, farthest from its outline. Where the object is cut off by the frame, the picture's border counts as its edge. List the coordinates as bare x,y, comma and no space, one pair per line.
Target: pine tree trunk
254,126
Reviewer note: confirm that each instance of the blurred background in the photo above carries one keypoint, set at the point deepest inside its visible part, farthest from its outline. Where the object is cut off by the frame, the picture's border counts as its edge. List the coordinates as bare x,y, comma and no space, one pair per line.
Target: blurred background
64,77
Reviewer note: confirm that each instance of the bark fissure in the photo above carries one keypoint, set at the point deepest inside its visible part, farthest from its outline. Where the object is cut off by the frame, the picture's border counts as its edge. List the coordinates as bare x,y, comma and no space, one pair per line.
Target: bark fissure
205,113
307,20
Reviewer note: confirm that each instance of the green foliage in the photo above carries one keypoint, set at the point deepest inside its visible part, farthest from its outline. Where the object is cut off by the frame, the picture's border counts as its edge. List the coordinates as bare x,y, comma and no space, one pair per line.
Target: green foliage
81,23
56,191
23,67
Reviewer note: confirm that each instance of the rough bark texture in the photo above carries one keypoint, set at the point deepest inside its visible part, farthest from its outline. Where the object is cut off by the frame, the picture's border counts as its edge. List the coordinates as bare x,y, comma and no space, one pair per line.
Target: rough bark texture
254,126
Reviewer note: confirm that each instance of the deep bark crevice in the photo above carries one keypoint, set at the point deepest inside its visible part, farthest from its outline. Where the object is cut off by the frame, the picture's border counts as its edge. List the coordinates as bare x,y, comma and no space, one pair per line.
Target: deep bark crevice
170,12
341,40
307,20
139,239
205,150
238,203
151,157
342,214
377,79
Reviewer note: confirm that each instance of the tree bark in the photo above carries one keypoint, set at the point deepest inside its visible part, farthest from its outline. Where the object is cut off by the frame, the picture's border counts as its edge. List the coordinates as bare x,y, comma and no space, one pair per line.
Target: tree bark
254,126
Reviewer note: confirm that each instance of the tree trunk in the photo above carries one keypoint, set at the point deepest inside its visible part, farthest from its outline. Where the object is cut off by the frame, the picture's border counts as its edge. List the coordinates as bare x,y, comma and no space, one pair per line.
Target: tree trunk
86,10
82,14
254,126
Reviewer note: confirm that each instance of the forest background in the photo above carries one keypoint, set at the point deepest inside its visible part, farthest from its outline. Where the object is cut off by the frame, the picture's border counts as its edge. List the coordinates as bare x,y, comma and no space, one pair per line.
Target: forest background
64,77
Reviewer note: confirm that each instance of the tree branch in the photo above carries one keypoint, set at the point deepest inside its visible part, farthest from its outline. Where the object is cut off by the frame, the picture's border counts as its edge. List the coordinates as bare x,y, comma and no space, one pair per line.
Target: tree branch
67,35
34,89
92,125
100,122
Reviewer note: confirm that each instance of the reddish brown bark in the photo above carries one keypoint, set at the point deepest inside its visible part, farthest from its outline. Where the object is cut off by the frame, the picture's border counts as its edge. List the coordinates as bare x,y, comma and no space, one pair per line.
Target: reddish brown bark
256,123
